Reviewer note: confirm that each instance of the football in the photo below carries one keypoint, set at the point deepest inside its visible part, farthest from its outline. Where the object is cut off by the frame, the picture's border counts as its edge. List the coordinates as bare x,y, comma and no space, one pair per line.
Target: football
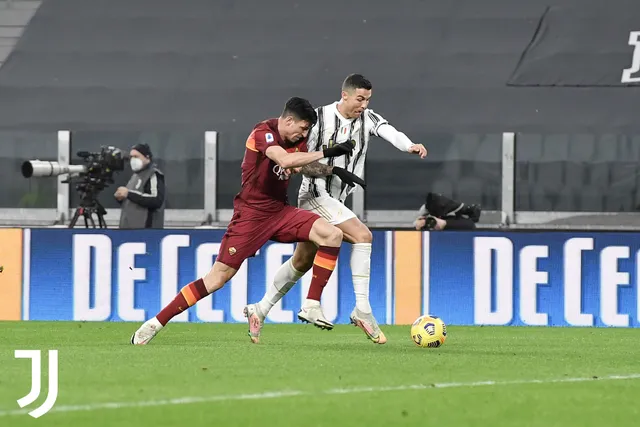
428,331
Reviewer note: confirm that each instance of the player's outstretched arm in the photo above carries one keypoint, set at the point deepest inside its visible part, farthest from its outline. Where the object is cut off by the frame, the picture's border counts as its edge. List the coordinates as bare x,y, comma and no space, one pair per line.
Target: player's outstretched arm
317,169
400,140
293,160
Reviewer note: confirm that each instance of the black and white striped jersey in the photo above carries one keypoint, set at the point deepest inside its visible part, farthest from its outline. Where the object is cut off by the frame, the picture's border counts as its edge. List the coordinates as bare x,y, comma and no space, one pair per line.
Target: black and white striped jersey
332,128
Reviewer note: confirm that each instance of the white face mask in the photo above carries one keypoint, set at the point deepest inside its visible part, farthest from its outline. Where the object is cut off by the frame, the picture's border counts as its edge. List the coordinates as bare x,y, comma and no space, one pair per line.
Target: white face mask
136,164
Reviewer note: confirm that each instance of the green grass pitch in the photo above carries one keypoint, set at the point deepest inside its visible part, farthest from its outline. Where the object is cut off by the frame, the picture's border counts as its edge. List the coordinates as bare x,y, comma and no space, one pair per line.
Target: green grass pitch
195,375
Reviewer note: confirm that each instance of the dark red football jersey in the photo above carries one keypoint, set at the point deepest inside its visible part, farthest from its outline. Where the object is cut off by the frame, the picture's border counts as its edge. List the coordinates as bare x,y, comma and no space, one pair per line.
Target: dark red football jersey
264,183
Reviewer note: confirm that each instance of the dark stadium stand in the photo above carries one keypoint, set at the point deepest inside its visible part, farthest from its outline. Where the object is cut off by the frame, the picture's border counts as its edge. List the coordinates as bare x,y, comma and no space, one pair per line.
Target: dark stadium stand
453,76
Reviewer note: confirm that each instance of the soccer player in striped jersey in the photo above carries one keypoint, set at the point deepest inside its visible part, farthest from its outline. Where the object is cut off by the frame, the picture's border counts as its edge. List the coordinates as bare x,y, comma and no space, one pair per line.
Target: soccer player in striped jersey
324,193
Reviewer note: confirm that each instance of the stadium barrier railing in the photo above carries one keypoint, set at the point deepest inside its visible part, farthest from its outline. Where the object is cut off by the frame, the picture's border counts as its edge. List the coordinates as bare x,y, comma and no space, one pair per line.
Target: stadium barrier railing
211,216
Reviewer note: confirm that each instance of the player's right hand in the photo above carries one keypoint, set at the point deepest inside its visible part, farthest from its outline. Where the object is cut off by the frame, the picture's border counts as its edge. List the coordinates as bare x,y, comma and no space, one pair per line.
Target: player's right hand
339,149
348,178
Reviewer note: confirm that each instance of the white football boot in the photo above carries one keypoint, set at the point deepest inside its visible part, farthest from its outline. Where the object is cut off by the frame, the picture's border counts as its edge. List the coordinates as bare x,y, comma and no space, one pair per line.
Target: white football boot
311,312
369,326
256,319
146,332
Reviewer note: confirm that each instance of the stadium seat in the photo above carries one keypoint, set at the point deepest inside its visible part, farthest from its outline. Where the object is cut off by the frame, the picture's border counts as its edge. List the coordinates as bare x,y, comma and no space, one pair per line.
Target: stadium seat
528,148
590,199
550,174
567,199
523,196
471,190
582,148
443,186
542,199
619,200
574,174
555,147
607,148
598,175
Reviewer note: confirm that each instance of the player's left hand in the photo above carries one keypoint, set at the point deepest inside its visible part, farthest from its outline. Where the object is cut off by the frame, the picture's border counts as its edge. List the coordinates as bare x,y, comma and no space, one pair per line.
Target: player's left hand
348,178
121,193
419,150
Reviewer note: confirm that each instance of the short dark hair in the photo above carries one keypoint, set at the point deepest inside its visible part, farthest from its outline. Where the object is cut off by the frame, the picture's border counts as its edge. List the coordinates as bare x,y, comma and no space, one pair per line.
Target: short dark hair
300,109
356,81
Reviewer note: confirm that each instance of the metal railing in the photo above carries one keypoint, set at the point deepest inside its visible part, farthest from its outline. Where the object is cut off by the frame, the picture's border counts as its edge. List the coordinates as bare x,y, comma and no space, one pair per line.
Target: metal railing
211,216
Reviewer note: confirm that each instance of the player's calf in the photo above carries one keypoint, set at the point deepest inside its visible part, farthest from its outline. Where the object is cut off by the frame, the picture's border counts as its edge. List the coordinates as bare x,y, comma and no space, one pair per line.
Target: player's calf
360,235
328,238
302,259
219,274
188,296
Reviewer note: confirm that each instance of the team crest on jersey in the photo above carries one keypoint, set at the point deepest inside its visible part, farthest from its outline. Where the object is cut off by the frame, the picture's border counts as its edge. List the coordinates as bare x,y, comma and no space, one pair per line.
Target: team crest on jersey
268,137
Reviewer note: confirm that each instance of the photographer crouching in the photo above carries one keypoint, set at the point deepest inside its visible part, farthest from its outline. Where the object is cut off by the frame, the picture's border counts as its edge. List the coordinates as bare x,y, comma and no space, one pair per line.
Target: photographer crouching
143,199
442,213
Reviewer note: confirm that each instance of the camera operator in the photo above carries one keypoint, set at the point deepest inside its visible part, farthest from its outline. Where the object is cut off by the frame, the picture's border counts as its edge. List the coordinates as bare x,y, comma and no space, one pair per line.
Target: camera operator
442,213
143,199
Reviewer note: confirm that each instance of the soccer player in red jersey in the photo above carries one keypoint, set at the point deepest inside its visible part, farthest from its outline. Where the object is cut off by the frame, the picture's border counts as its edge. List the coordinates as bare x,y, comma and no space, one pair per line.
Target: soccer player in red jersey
275,149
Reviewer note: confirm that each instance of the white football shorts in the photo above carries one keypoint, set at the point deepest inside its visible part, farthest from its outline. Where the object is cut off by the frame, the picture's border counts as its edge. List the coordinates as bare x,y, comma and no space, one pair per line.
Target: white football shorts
328,208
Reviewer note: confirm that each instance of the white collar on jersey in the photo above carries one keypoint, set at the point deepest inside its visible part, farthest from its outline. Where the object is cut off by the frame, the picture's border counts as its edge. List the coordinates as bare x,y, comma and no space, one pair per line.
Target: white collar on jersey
339,114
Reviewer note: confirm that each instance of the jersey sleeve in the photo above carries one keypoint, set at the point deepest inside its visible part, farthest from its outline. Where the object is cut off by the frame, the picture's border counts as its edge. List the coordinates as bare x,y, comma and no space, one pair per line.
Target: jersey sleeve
260,140
312,139
373,122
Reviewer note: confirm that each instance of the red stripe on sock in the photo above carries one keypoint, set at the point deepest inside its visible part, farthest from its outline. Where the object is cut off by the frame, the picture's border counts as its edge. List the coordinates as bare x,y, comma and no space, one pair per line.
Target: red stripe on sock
175,307
329,250
187,297
199,289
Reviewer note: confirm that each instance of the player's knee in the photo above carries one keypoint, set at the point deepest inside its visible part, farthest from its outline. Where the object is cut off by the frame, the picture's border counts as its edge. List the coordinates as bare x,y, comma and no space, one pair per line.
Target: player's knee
335,237
325,234
363,235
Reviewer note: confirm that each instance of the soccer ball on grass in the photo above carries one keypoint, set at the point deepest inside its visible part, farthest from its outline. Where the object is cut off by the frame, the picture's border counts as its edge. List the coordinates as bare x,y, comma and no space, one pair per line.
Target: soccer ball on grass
428,331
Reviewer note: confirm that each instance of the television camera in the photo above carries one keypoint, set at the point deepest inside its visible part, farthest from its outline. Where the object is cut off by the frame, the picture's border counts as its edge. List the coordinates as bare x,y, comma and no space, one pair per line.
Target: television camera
94,176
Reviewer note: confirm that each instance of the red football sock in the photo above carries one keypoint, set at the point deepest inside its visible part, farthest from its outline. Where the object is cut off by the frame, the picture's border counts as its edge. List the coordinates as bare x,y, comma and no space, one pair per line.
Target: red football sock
323,265
188,296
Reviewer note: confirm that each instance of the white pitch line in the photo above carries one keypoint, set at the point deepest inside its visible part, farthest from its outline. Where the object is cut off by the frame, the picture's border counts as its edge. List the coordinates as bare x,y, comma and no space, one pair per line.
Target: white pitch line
294,393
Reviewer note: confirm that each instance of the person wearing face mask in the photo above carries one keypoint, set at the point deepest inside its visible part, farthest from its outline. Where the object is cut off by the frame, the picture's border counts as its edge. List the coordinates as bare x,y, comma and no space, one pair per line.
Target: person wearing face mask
143,199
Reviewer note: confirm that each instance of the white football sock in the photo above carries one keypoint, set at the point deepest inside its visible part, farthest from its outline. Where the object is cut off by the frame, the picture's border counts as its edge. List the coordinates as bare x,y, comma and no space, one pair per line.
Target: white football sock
360,271
285,278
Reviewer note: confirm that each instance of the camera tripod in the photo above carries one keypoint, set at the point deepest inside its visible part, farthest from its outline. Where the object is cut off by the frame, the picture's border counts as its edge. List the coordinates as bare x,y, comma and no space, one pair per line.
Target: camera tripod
87,210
